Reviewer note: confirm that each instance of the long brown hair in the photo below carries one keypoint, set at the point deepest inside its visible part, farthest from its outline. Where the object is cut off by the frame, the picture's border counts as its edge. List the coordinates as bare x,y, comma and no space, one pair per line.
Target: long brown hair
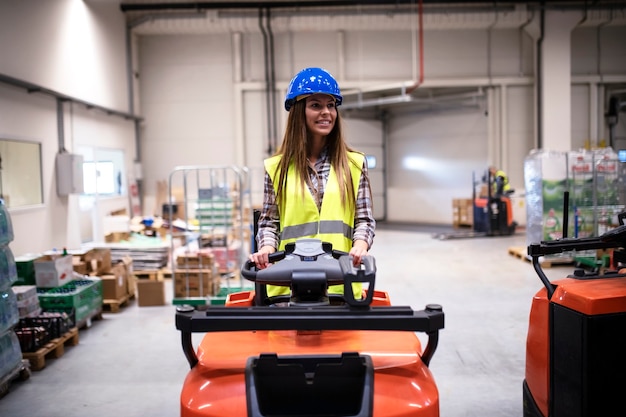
294,150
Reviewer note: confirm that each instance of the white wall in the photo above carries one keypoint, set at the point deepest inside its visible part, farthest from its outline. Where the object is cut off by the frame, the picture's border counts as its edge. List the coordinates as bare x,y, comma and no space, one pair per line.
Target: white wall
74,48
432,158
199,110
187,101
183,77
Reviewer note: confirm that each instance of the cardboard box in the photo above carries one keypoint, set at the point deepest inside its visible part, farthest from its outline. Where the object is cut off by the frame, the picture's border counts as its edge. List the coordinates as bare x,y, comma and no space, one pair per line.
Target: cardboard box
116,237
98,261
114,285
80,267
226,258
187,283
25,292
150,293
195,260
127,262
462,212
53,271
27,300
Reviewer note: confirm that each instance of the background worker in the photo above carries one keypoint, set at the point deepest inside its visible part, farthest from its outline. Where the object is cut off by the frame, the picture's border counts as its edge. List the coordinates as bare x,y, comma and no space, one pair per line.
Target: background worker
316,186
500,182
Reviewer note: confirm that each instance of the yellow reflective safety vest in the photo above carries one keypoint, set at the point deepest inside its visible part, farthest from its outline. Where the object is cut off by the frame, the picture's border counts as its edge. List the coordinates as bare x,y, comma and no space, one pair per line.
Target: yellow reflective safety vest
505,182
300,218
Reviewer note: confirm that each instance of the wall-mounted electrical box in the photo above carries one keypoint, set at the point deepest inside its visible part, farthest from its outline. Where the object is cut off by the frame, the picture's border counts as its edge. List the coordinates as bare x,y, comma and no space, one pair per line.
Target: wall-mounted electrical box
69,169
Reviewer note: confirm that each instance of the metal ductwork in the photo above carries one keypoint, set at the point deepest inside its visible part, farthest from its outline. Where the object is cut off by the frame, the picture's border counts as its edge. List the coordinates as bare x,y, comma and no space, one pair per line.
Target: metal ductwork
180,17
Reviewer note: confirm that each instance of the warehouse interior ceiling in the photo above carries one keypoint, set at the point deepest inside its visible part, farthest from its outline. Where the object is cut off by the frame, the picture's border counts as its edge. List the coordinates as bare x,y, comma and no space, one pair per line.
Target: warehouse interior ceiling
150,17
180,17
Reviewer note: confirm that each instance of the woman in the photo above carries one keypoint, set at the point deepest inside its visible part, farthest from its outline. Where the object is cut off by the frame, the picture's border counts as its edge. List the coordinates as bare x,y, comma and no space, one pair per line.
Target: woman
315,185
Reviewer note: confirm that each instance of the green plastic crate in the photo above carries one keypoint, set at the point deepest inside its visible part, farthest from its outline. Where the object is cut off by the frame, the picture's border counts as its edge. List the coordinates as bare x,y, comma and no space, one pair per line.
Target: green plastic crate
80,299
81,295
25,265
219,299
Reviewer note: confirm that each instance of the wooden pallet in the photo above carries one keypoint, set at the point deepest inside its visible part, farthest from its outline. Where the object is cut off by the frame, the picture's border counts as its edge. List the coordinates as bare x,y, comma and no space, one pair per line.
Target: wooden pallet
155,275
114,306
521,252
52,350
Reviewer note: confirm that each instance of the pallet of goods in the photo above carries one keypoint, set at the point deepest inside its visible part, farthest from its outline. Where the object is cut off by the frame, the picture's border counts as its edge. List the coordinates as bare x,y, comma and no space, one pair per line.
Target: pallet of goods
55,348
115,287
81,299
45,336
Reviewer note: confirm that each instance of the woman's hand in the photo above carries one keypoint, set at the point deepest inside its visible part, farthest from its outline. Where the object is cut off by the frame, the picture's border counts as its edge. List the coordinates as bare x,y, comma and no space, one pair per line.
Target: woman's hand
261,258
359,249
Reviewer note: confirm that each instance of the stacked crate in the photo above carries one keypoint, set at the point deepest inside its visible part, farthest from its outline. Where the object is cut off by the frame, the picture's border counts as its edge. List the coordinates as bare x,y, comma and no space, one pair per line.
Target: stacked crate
27,300
35,332
26,268
216,217
81,299
196,275
211,235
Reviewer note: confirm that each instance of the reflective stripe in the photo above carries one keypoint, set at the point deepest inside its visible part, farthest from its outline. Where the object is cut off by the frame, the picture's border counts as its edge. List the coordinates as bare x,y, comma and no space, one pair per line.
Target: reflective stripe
336,226
299,230
311,229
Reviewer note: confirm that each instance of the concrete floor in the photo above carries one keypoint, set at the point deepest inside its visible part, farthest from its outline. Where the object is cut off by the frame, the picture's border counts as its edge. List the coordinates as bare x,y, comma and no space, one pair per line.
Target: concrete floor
131,363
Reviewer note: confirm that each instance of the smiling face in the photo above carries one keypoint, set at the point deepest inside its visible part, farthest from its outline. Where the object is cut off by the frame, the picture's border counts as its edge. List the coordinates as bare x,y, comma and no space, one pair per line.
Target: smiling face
321,114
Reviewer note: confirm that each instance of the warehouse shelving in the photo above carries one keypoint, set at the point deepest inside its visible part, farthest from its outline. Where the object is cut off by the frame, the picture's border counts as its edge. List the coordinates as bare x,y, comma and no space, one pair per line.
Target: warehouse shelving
210,230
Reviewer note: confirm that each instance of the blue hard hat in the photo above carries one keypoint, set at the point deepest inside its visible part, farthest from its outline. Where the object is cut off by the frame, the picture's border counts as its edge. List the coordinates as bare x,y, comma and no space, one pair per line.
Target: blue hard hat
312,81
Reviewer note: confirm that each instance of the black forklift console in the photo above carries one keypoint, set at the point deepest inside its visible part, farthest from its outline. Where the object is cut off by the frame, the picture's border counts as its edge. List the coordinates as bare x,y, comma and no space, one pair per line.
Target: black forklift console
612,239
308,267
308,263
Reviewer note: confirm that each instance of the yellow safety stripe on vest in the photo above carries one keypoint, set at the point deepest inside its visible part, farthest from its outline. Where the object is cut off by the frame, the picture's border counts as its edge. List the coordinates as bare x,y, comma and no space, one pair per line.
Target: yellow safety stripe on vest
316,228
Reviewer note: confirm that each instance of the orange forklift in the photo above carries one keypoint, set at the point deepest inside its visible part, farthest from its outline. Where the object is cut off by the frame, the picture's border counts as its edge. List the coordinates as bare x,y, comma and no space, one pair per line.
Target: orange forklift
576,341
492,210
493,213
309,353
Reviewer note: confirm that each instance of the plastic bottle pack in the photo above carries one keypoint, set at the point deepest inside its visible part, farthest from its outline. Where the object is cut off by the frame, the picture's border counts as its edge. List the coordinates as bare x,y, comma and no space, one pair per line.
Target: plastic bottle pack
10,353
6,227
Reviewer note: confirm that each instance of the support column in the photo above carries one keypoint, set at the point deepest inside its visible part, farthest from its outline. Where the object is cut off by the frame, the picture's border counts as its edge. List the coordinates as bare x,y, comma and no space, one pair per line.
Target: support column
237,51
593,115
555,73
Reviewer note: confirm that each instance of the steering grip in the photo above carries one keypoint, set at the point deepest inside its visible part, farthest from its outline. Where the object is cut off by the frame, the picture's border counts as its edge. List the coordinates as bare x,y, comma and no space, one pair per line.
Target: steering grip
247,270
277,256
346,271
249,267
352,274
617,234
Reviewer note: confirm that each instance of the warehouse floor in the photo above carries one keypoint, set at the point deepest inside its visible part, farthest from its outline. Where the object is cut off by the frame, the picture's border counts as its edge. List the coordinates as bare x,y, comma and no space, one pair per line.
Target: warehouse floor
131,363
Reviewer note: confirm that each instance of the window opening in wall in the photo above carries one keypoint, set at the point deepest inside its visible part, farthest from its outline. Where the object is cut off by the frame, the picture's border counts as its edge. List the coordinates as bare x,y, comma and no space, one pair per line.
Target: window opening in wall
103,172
100,178
20,173
371,161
